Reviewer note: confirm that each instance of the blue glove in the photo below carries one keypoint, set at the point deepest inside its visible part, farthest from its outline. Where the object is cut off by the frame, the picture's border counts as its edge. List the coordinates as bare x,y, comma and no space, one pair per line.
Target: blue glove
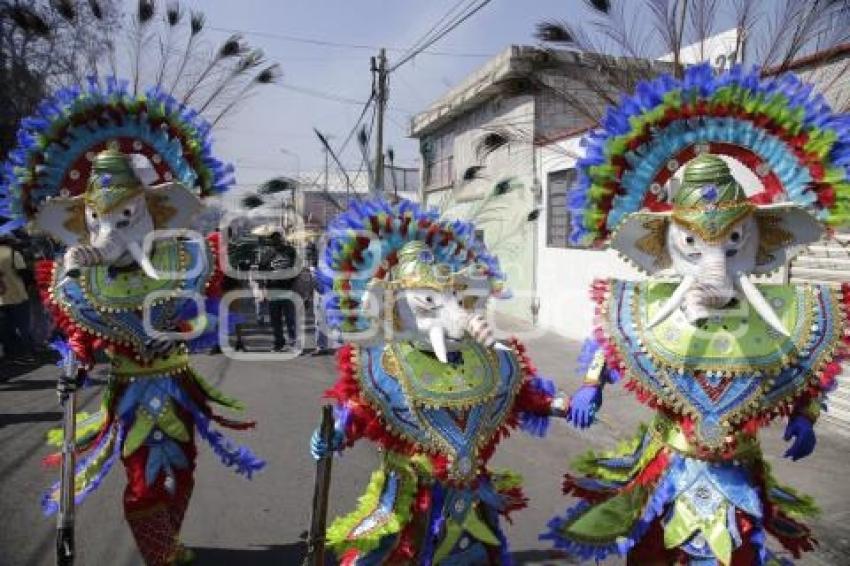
583,406
319,448
802,430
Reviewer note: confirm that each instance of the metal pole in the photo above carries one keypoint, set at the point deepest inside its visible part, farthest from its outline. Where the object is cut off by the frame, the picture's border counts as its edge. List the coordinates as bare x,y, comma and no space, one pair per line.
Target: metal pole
381,99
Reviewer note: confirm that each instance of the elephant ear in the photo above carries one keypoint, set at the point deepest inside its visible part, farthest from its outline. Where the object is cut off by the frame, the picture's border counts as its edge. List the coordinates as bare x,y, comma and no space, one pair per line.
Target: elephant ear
642,238
172,206
64,219
785,229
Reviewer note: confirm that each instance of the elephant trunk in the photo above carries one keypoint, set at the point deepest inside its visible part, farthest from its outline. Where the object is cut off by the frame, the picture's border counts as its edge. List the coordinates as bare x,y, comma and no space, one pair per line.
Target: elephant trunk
103,252
106,251
713,289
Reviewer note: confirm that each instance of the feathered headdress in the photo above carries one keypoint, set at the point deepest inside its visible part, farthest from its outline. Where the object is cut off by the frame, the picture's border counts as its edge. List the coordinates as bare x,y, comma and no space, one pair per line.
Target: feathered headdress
58,144
776,127
365,244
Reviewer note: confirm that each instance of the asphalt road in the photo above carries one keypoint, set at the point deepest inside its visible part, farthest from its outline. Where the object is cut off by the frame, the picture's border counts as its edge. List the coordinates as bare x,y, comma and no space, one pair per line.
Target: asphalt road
235,521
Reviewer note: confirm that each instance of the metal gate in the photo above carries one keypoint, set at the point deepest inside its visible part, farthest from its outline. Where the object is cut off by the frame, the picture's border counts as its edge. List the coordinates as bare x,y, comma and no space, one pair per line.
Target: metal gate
828,262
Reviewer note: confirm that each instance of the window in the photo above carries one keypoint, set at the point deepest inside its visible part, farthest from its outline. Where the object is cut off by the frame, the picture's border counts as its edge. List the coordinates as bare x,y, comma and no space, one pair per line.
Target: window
438,156
558,185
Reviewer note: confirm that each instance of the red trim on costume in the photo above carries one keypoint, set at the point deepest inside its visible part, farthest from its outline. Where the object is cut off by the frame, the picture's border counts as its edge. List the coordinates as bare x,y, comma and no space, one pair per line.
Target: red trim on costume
363,421
83,343
216,278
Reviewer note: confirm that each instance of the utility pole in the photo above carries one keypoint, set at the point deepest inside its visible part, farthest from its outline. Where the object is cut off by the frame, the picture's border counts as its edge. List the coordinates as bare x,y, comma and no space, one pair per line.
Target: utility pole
327,157
381,100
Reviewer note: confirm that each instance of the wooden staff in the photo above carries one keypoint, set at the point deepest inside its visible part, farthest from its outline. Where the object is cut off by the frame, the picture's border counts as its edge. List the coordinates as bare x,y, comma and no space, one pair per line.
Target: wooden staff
321,490
65,517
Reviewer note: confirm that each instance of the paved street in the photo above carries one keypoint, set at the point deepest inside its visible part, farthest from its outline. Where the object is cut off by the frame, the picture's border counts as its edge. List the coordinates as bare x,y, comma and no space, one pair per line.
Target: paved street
234,521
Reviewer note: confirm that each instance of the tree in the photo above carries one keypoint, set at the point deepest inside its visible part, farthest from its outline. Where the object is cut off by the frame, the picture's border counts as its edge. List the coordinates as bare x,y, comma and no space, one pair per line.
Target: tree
45,44
626,38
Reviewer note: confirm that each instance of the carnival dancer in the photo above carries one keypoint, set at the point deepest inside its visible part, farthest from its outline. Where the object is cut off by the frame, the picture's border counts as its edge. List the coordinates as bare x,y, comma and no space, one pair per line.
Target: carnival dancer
424,379
716,355
125,288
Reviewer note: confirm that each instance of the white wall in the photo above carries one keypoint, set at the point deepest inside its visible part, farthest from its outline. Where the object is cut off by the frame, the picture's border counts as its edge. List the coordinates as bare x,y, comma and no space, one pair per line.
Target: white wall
503,218
564,275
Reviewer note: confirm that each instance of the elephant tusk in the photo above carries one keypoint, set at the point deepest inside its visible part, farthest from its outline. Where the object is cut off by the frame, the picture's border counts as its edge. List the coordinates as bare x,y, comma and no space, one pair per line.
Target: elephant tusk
761,305
675,300
437,334
143,260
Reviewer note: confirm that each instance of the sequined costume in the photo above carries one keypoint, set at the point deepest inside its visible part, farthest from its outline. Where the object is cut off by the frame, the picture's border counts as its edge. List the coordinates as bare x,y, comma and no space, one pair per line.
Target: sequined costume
433,500
71,168
693,487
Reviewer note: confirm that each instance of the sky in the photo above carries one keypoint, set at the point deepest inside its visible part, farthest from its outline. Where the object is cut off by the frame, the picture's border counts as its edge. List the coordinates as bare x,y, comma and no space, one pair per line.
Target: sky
324,86
324,49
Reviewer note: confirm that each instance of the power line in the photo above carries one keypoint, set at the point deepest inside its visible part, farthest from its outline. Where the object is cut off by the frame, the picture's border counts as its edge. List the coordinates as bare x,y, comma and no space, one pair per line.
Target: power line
363,162
334,97
335,44
323,95
442,33
434,26
356,124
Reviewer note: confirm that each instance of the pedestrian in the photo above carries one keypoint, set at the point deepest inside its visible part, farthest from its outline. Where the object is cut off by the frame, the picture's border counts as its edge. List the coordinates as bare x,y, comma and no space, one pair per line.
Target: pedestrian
14,303
277,259
261,303
319,322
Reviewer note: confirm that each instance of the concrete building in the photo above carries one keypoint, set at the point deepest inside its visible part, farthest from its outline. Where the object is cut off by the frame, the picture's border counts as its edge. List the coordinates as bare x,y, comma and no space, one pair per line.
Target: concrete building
468,173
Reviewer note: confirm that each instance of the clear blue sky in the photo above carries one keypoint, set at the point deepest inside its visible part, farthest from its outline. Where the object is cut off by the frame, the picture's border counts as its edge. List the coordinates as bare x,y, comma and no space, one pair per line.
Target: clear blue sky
280,117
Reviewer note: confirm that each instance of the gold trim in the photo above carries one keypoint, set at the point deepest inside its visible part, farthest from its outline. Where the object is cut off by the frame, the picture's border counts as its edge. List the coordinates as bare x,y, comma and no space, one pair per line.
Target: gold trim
76,221
159,209
772,237
696,227
654,242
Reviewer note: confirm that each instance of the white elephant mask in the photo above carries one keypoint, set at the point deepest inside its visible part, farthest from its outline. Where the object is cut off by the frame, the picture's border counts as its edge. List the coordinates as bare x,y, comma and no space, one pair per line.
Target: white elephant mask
429,306
715,239
108,224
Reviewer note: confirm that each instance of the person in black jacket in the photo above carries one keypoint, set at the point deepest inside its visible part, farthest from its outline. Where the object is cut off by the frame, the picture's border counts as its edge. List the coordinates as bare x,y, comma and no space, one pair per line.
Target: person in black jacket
280,255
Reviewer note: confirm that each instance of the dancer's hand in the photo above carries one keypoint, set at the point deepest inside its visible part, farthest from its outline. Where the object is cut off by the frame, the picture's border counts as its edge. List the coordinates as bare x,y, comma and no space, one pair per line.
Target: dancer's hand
319,448
583,406
802,430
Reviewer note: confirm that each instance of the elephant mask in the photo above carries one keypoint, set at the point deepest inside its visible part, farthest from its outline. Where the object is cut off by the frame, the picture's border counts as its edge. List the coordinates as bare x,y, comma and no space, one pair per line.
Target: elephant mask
108,224
715,238
425,303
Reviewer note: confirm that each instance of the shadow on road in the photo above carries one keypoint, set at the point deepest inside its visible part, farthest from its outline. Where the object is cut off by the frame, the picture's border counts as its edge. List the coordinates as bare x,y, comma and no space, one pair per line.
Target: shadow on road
259,556
7,419
10,369
28,385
